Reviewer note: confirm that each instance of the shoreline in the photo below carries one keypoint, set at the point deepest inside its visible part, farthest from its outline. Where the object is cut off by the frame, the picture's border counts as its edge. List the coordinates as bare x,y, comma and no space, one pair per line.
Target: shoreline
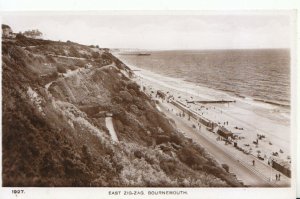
281,103
251,116
283,110
269,104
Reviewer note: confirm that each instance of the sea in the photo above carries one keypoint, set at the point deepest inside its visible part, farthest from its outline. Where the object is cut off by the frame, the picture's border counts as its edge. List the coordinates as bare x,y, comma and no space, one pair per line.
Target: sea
258,74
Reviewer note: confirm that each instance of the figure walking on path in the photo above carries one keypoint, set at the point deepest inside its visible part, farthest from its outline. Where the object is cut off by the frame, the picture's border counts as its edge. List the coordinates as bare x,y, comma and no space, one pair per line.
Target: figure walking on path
276,177
253,162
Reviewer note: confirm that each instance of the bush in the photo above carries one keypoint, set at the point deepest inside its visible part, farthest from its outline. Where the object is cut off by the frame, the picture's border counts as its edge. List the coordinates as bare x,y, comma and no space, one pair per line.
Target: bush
73,52
175,139
17,54
73,67
169,167
140,104
126,96
134,109
191,157
86,56
164,124
226,167
138,154
19,36
132,92
95,55
134,86
216,171
50,59
118,111
80,63
162,139
61,69
118,125
117,99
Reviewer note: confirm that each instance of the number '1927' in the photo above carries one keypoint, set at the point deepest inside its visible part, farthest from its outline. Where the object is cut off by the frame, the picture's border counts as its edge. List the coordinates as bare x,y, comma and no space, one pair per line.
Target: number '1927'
17,191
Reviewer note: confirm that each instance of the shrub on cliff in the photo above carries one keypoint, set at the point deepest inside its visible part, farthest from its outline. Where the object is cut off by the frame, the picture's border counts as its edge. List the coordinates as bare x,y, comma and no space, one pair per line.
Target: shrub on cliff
20,36
50,59
126,96
156,119
118,126
176,139
117,99
79,63
118,111
95,55
226,167
73,67
139,103
134,86
162,139
169,167
165,125
73,52
151,116
132,92
134,109
61,69
190,157
16,53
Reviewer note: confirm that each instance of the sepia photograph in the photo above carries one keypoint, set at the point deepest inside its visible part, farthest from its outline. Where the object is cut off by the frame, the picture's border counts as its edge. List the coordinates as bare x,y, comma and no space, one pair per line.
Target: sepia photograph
147,100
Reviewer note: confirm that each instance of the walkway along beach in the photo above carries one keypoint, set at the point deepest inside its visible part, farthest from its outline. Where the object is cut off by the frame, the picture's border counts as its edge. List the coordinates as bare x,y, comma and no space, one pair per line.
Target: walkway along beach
235,132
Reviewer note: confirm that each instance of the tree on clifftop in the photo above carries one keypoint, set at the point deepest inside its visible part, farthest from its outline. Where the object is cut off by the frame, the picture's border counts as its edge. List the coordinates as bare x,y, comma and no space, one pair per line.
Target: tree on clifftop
33,33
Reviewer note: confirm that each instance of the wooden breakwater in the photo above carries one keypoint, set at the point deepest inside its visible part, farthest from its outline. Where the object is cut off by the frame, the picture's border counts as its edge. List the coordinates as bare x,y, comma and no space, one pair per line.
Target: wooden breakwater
212,101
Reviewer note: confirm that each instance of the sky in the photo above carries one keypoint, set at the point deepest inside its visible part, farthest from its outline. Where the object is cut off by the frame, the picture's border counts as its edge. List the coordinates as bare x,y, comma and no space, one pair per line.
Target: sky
169,31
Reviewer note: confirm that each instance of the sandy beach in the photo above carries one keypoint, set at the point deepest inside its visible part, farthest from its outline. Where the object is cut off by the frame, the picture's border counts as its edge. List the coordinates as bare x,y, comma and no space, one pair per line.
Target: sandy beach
245,118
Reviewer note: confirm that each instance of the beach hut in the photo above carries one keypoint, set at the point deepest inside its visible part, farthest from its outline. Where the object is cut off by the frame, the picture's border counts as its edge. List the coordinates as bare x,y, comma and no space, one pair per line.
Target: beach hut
282,166
160,94
225,133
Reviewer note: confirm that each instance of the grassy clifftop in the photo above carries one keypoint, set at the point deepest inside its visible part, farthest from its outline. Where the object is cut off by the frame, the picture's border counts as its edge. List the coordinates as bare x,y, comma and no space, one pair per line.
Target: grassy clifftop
55,99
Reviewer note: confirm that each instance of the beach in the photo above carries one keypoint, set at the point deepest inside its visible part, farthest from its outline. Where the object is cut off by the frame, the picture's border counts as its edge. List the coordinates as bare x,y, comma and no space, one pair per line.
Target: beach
261,130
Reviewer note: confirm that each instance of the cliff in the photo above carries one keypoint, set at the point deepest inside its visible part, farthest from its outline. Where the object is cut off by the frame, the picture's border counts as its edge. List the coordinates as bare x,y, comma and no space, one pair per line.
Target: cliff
56,98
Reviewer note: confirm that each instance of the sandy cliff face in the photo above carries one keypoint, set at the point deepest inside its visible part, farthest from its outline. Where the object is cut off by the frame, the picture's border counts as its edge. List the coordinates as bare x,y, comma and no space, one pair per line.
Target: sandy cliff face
56,97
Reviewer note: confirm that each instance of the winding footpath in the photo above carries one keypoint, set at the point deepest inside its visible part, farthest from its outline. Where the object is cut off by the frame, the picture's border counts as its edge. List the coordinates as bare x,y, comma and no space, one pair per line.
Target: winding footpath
108,120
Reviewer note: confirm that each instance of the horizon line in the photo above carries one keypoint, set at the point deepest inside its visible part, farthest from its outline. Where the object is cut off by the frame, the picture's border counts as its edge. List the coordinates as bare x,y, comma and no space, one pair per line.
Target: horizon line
191,49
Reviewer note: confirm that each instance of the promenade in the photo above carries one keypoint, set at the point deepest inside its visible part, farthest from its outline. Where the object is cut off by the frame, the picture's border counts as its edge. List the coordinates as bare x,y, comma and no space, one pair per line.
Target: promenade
240,164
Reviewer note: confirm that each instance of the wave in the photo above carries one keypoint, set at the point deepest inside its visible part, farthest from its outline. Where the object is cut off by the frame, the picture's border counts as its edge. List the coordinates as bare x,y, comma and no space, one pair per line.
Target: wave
273,103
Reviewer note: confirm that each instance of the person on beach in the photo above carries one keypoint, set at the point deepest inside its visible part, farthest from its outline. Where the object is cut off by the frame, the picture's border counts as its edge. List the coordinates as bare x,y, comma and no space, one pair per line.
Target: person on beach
253,162
279,177
276,177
